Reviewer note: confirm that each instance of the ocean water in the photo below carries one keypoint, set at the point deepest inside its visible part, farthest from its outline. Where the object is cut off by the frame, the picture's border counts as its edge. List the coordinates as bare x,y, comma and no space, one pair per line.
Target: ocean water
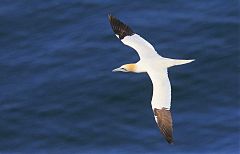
58,94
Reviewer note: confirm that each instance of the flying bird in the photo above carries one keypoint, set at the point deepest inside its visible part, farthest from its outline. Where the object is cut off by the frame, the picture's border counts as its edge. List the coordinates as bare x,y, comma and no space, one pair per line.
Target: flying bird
156,67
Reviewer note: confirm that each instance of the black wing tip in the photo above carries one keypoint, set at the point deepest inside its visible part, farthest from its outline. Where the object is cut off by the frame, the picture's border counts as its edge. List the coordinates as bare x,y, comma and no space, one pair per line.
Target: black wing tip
114,21
170,140
119,27
169,137
109,16
164,122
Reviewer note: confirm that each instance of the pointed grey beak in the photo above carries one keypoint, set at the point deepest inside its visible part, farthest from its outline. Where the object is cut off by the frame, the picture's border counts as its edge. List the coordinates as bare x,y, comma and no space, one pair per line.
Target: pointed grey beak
117,70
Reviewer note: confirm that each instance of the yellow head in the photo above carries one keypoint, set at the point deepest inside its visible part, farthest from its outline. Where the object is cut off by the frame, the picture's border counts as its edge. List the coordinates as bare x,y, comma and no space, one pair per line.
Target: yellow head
126,68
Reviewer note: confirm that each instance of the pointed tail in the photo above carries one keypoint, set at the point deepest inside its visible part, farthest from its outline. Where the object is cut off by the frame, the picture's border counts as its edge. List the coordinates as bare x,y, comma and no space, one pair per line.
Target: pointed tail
175,62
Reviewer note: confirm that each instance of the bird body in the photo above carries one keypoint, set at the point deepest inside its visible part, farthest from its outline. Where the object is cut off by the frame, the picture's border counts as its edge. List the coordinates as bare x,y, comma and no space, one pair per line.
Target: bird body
156,67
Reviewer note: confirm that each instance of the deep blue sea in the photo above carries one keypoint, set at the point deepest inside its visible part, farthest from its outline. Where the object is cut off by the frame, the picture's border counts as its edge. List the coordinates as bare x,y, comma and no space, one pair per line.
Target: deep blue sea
58,93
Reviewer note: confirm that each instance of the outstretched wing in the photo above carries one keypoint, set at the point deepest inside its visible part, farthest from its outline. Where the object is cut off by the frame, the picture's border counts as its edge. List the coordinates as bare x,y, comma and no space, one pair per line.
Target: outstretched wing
161,101
129,38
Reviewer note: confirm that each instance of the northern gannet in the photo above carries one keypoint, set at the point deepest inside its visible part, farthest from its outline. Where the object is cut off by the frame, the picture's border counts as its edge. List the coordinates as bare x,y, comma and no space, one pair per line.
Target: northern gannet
156,67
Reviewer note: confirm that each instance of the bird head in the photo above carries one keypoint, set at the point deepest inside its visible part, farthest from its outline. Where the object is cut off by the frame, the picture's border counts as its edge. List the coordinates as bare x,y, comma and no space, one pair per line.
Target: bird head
126,68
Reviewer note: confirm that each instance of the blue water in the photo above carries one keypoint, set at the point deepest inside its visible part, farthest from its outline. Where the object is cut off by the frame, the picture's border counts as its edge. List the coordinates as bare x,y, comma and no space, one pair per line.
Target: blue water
58,94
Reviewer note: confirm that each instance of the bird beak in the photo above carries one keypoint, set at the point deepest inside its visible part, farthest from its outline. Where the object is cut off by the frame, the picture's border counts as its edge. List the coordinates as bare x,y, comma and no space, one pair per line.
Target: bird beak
117,70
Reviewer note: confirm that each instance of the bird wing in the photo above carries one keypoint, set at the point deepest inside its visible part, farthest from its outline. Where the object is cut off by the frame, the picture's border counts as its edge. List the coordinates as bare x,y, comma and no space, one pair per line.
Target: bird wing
164,121
129,38
161,101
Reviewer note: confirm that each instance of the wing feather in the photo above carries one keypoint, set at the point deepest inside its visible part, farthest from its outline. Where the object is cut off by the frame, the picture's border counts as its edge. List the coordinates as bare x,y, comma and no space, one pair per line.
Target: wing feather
161,87
164,121
161,101
129,38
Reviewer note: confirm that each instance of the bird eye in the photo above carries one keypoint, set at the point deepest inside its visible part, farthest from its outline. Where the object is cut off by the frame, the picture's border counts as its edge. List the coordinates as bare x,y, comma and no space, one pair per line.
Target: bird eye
123,69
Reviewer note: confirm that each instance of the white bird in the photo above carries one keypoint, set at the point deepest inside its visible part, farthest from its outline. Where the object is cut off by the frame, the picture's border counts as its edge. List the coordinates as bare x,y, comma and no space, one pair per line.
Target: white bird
156,67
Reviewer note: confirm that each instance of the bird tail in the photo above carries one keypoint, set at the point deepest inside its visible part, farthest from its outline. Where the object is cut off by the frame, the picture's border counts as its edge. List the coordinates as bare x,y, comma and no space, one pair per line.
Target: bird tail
175,62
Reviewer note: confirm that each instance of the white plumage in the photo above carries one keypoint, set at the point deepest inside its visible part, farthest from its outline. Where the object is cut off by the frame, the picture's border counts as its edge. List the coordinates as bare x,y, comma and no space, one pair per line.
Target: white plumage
156,66
143,48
